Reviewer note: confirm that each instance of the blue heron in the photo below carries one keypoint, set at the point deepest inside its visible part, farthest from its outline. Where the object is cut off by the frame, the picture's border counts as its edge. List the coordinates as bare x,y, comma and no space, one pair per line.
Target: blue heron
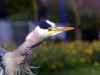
17,62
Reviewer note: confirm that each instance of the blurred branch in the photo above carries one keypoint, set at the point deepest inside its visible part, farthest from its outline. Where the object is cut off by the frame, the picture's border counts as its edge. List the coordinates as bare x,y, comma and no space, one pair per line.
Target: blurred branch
76,10
35,10
78,22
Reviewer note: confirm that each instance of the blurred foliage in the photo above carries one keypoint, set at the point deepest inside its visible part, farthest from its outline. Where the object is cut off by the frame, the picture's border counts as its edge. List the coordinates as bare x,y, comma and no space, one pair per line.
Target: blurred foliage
22,15
71,54
73,58
15,6
18,9
85,70
65,55
8,47
90,22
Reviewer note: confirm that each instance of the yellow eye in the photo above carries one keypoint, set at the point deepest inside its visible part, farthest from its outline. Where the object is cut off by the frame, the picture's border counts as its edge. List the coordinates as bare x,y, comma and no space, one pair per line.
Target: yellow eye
50,28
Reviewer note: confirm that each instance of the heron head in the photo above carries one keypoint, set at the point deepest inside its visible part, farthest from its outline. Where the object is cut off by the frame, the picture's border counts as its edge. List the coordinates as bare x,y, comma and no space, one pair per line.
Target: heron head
47,28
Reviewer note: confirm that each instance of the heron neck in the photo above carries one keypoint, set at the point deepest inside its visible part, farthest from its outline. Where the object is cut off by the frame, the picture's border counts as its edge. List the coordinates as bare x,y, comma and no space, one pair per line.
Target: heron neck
32,42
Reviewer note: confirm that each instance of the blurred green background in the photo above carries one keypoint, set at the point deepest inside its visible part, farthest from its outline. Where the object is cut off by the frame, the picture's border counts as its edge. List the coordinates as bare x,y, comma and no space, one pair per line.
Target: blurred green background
79,55
72,58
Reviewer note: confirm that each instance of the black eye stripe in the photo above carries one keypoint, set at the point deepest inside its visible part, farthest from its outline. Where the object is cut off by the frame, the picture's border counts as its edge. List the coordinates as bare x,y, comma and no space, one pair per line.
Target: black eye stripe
44,25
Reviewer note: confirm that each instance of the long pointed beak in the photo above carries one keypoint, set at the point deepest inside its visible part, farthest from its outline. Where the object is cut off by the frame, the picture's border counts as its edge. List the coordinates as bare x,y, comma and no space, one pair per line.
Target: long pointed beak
58,30
62,29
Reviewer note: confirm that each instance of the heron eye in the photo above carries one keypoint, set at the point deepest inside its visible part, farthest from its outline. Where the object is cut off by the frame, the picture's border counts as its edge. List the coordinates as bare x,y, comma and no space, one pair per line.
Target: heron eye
50,28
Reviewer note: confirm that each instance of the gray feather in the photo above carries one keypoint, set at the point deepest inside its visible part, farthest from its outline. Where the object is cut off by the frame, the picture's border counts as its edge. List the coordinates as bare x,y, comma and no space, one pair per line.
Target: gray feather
2,52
